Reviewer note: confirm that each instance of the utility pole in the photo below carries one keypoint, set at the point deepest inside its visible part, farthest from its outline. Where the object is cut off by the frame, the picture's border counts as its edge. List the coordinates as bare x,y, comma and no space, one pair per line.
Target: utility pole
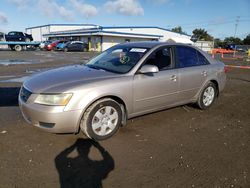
235,30
236,25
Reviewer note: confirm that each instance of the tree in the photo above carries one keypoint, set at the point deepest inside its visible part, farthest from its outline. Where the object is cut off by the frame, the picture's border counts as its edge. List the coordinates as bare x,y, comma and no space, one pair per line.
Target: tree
219,43
201,34
233,40
178,29
246,40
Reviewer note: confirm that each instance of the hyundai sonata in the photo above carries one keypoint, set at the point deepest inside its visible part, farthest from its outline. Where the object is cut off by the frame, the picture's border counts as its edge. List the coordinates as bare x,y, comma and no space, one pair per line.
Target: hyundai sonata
123,82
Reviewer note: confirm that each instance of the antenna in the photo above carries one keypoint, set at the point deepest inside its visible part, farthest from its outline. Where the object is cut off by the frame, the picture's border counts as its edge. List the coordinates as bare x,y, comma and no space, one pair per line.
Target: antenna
236,25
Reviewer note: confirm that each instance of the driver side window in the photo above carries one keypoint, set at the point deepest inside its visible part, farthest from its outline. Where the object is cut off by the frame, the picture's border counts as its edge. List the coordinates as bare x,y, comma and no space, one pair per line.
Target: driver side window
161,58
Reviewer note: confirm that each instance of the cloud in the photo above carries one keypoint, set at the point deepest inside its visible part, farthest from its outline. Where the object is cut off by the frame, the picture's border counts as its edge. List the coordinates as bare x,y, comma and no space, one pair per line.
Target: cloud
85,9
51,9
125,7
158,1
3,18
21,4
64,13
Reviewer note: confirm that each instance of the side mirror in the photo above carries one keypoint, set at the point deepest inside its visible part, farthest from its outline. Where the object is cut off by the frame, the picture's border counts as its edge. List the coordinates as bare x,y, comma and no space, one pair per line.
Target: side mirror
148,69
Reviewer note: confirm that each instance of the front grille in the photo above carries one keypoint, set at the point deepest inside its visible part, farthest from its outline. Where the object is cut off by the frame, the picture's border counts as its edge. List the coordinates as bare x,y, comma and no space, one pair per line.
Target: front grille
25,94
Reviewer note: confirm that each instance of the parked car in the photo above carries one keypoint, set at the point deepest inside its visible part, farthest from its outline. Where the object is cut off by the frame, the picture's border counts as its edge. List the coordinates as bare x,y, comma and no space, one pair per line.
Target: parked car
1,36
125,81
44,43
243,49
60,45
76,46
18,36
52,45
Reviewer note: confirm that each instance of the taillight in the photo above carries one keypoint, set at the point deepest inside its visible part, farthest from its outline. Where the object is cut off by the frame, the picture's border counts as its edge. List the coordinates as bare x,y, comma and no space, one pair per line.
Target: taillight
226,69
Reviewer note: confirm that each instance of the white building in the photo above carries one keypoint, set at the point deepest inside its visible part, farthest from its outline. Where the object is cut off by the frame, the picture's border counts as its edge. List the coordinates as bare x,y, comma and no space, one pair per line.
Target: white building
38,32
206,46
101,38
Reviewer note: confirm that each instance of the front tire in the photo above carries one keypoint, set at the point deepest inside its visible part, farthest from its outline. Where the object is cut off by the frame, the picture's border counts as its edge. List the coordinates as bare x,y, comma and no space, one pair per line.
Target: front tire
102,119
207,96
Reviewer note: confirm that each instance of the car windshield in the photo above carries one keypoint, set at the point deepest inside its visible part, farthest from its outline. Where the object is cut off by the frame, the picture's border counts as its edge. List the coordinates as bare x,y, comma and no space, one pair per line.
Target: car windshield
120,59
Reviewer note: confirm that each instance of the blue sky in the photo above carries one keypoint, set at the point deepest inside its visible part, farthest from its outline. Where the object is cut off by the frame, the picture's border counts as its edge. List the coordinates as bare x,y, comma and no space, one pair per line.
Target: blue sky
218,17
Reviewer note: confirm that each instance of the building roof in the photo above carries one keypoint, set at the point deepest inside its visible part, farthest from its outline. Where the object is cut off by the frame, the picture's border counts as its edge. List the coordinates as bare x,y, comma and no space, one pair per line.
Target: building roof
100,32
180,40
143,27
109,27
47,25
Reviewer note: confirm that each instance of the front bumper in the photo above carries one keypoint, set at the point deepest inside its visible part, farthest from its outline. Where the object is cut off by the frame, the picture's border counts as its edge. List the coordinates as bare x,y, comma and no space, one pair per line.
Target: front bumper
51,118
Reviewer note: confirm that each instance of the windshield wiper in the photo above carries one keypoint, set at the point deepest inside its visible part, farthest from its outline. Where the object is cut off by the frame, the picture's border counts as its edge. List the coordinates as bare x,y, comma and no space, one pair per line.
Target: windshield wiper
93,67
101,68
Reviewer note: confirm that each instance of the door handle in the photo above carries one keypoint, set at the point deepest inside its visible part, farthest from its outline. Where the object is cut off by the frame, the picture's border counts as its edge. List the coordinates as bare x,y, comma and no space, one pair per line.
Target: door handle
174,78
204,73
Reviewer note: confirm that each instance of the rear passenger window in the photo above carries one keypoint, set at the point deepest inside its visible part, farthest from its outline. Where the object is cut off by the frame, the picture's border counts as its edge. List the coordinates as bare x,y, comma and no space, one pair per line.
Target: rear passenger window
186,57
202,59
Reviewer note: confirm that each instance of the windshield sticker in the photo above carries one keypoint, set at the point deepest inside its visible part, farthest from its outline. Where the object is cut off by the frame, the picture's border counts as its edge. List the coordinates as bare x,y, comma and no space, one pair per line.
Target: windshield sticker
124,59
140,50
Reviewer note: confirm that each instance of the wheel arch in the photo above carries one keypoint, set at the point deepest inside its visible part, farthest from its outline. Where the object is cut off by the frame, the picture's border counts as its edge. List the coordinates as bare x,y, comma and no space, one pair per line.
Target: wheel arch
113,97
215,82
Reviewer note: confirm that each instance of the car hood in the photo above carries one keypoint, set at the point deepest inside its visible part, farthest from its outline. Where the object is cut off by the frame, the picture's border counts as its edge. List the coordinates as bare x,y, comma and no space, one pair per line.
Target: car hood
65,78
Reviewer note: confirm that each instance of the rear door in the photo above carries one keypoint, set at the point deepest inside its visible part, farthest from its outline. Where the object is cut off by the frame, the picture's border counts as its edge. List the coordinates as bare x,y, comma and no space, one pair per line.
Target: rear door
193,71
156,90
79,46
71,46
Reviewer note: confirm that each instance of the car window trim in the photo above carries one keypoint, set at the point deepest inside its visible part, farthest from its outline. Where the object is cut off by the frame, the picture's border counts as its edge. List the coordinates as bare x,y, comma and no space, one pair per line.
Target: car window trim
177,62
198,52
159,48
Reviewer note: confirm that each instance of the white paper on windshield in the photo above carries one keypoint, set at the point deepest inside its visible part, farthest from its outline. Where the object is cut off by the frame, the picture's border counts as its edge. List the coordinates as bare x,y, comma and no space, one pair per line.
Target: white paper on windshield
140,50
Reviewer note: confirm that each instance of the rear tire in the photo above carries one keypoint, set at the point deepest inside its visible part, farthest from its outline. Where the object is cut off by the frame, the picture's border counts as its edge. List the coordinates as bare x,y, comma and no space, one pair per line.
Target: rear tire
207,96
18,48
102,119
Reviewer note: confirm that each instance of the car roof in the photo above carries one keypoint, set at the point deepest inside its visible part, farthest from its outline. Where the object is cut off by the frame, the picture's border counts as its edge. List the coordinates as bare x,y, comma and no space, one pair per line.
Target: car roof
152,44
76,41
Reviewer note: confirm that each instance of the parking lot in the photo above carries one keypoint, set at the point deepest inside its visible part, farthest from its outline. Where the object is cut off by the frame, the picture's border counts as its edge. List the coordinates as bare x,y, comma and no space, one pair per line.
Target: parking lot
178,147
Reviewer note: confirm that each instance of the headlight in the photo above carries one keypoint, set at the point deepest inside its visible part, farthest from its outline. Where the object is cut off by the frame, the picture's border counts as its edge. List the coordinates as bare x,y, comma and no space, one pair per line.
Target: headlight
54,99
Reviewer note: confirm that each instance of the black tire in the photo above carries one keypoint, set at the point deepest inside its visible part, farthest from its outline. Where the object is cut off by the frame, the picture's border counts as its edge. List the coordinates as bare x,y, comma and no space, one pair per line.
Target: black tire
201,100
89,115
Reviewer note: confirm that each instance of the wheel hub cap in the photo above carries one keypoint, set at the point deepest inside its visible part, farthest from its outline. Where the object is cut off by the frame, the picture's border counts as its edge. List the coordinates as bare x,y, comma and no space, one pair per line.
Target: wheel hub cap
105,120
208,96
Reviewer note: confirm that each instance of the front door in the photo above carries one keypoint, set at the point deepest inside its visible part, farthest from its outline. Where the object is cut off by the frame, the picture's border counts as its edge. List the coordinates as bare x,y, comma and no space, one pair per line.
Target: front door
156,90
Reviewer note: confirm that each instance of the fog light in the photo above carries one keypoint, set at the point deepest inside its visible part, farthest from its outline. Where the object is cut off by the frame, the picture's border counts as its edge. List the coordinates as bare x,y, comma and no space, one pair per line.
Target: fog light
46,125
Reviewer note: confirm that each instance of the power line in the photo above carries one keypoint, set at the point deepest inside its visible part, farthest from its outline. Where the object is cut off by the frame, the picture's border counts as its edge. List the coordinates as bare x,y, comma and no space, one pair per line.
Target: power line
212,22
